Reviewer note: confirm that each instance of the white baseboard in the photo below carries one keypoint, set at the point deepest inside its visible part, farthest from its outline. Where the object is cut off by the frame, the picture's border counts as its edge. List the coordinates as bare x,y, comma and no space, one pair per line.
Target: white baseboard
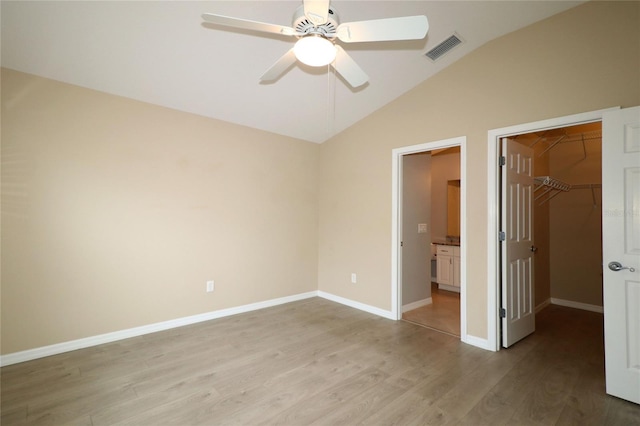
449,288
477,342
357,305
73,345
577,305
416,305
543,305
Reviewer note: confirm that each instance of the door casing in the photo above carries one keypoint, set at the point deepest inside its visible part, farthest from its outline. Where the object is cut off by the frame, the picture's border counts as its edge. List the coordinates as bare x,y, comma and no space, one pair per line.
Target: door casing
493,191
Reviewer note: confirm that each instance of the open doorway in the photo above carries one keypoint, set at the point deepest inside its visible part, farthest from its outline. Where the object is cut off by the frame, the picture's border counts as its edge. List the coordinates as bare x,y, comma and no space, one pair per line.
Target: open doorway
561,261
438,306
568,215
620,154
563,215
432,181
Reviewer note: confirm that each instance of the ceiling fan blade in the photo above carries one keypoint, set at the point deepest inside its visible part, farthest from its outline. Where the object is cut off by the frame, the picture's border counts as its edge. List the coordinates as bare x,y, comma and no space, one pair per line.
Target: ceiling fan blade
279,67
390,29
316,11
247,24
348,68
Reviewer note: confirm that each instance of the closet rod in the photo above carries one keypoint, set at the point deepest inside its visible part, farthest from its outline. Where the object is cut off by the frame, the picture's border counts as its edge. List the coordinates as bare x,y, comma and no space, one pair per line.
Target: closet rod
551,184
592,187
587,186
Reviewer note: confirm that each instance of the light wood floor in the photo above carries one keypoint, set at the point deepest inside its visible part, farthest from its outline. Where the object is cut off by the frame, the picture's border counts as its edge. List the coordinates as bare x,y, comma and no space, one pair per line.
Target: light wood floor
317,362
442,314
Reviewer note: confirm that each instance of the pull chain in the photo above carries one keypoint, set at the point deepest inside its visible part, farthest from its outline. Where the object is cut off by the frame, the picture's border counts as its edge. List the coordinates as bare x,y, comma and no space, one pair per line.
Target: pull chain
331,100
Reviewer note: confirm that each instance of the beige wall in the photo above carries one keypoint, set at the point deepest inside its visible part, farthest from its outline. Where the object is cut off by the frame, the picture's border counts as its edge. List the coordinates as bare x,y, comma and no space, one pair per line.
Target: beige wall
576,224
541,231
585,59
115,213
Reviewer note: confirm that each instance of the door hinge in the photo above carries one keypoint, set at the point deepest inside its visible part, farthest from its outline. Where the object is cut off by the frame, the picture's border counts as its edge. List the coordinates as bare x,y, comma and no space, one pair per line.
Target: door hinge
502,236
503,313
401,243
502,160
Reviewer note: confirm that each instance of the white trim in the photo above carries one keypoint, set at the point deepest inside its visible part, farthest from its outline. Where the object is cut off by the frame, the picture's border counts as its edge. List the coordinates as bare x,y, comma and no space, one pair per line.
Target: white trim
543,305
494,136
357,305
478,342
416,305
447,287
577,305
73,345
396,226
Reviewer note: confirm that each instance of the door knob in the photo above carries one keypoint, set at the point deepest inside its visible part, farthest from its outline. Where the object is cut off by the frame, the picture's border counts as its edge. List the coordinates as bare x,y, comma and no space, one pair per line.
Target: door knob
534,249
617,266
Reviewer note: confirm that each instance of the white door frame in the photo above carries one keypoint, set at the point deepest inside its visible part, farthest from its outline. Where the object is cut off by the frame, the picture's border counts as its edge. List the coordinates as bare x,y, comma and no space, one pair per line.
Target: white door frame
396,224
493,189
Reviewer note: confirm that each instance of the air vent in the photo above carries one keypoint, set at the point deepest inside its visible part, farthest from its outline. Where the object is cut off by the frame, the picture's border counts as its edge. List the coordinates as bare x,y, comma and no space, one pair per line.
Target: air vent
443,47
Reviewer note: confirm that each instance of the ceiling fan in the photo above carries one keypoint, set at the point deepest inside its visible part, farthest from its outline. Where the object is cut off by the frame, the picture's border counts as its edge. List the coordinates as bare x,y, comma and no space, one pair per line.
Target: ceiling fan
316,25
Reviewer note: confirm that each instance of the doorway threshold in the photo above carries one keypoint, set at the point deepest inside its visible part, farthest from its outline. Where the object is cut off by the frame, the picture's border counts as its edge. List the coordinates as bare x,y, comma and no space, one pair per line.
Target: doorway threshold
431,328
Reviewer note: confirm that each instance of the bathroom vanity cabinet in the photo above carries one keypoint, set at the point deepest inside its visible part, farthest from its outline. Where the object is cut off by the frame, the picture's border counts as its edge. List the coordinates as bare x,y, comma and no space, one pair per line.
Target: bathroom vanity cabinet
448,267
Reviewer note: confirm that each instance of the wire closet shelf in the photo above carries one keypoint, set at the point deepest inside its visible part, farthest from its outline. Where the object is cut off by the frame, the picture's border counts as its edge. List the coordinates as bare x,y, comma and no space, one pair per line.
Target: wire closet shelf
553,187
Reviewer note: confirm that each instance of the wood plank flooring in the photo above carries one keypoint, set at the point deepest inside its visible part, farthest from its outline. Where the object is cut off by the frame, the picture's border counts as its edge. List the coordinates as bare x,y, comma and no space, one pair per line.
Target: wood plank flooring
315,362
443,314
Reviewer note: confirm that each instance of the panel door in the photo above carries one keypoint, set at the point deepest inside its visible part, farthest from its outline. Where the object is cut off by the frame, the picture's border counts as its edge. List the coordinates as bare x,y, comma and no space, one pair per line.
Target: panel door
621,245
517,272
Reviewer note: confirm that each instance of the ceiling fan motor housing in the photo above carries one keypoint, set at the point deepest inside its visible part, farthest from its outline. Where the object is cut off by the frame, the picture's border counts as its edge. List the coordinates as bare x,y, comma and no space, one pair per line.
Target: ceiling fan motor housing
304,26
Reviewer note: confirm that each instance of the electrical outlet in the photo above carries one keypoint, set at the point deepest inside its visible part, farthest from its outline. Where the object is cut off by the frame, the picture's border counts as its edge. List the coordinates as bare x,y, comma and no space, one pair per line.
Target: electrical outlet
354,278
210,286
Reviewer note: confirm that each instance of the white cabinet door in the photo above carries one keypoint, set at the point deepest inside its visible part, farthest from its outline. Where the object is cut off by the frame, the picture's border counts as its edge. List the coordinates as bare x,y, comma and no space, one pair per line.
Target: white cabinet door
456,270
621,244
445,269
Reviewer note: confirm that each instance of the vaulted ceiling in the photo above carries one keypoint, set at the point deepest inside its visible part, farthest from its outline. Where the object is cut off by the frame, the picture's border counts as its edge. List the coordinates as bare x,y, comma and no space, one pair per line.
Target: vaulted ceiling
161,52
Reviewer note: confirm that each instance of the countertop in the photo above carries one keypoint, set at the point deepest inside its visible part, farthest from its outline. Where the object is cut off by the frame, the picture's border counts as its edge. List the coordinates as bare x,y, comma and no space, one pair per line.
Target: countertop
446,243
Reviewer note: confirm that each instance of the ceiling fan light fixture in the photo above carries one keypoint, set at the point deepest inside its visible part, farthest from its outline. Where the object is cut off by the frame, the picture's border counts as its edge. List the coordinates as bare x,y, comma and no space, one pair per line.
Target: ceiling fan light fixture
315,51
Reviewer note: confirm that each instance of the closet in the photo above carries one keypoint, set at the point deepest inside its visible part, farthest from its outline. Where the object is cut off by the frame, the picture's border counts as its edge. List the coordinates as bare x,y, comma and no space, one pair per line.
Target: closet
567,216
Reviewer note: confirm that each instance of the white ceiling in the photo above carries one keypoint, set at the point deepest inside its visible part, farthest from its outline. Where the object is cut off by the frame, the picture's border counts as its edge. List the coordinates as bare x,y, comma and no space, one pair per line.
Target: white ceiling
162,53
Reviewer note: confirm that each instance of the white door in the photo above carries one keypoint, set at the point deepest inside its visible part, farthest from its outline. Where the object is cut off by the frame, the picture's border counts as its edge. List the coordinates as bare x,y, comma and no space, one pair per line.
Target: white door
518,315
621,244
